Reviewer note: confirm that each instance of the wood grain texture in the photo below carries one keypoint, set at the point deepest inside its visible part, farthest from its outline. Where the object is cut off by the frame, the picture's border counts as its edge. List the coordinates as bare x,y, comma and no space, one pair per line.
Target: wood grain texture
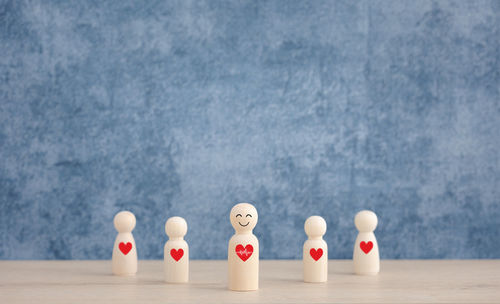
408,281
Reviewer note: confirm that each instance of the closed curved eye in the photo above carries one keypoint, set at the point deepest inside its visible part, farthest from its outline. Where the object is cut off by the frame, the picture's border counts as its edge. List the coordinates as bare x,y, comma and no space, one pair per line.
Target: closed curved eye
239,215
249,215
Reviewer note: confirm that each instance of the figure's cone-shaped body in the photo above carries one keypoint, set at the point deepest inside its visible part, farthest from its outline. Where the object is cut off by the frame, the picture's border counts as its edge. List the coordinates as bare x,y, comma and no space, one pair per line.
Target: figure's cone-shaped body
243,249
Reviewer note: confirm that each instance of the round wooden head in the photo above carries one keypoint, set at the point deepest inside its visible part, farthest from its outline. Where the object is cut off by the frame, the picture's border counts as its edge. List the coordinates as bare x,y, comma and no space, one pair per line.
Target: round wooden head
366,221
243,217
315,226
176,227
124,221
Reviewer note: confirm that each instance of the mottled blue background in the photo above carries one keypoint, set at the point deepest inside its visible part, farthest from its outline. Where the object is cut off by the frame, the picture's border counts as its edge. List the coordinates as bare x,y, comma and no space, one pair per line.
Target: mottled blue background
301,107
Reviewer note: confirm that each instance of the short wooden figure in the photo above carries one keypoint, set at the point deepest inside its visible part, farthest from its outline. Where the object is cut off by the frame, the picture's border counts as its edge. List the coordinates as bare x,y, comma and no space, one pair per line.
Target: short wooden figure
366,256
124,261
315,253
176,251
243,249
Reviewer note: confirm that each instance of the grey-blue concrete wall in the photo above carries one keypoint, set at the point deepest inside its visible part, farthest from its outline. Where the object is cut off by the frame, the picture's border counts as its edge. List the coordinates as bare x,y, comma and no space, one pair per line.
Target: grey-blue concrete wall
302,107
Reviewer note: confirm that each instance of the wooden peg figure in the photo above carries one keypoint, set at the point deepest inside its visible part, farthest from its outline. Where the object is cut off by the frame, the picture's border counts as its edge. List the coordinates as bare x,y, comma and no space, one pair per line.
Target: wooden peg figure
176,251
243,249
315,253
124,260
366,256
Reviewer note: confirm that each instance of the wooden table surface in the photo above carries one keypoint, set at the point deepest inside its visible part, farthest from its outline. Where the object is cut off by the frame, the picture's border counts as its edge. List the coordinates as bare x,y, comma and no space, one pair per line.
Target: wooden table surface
401,281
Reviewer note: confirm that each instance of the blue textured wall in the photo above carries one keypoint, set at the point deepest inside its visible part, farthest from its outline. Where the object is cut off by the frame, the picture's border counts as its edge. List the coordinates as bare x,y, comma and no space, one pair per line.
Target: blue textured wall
187,107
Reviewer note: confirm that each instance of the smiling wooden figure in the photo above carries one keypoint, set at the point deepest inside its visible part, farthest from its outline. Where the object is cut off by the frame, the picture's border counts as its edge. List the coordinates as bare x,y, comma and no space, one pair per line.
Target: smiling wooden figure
243,249
315,253
176,251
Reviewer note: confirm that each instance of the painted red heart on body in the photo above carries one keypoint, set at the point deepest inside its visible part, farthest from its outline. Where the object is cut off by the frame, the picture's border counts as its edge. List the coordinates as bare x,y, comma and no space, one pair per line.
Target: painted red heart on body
366,247
177,254
125,248
316,254
244,252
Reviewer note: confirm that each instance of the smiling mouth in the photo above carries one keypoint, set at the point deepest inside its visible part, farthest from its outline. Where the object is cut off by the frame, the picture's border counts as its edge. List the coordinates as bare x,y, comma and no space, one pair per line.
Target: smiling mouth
244,225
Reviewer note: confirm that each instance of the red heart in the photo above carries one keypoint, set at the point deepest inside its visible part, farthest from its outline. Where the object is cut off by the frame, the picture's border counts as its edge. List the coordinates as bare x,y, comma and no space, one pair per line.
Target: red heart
125,248
177,254
316,253
366,247
244,252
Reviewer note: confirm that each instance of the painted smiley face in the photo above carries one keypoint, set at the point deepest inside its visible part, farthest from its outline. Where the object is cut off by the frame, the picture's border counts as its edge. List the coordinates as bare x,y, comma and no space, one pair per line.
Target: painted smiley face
243,217
239,217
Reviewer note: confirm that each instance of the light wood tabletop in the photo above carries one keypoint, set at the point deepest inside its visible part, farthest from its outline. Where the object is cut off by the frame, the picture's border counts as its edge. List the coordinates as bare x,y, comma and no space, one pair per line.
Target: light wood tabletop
400,281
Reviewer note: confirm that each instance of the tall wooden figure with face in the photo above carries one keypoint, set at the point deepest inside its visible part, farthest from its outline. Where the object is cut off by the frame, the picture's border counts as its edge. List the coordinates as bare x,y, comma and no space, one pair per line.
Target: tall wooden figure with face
243,249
